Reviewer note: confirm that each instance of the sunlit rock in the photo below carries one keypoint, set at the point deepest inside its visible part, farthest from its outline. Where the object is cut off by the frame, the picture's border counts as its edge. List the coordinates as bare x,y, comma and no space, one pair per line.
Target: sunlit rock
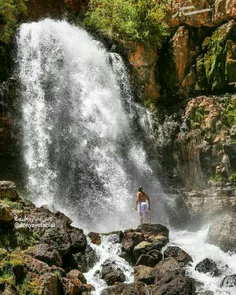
180,255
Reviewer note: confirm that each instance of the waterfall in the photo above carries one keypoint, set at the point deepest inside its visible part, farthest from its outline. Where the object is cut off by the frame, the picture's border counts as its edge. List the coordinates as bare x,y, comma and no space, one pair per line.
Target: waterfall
82,134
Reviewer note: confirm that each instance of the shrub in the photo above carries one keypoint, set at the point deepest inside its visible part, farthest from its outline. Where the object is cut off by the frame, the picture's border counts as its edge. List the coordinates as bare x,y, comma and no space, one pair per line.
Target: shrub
128,20
10,10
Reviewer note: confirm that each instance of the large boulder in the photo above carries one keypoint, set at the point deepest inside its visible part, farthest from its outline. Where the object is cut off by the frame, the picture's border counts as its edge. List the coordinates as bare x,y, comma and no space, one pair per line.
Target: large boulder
180,285
76,274
208,266
142,248
150,259
222,233
111,273
169,264
64,239
46,253
50,284
6,214
82,260
152,230
138,288
228,281
180,255
8,190
144,274
131,238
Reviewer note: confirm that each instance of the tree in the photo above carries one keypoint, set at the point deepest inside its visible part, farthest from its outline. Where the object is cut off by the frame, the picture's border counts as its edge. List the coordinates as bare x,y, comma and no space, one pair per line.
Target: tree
10,10
141,21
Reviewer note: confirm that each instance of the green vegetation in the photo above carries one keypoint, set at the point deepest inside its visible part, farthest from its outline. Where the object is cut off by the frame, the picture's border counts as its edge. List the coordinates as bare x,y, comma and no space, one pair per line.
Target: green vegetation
232,177
10,10
13,205
29,287
25,285
216,178
11,239
197,115
230,114
128,20
7,278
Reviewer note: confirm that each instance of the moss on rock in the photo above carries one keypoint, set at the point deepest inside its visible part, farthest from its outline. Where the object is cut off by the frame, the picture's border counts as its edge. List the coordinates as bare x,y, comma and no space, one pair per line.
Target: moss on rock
214,70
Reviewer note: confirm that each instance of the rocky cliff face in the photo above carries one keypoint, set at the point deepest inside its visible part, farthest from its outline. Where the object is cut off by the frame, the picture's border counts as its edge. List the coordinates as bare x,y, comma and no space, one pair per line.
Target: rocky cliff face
220,11
56,9
198,57
195,137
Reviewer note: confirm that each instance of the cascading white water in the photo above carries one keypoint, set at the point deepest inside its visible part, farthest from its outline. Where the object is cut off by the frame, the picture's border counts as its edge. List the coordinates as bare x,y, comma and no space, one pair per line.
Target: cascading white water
82,134
109,250
194,243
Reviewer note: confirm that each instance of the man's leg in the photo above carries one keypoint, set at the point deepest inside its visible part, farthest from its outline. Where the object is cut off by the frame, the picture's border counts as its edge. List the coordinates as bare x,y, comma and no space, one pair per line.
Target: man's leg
148,217
141,218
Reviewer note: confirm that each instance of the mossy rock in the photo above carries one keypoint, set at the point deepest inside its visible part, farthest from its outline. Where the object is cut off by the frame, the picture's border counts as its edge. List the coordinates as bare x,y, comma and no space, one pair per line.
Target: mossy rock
231,70
214,70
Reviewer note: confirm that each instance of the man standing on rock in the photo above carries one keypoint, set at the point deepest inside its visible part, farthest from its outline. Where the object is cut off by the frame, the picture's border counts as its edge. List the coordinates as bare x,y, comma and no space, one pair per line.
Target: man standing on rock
143,205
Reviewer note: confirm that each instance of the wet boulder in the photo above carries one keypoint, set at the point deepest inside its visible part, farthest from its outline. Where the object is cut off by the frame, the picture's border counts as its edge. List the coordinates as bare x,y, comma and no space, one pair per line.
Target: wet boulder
208,266
142,248
163,277
158,242
131,238
95,238
82,260
138,288
180,255
152,230
170,279
111,273
180,285
145,274
228,281
168,264
150,259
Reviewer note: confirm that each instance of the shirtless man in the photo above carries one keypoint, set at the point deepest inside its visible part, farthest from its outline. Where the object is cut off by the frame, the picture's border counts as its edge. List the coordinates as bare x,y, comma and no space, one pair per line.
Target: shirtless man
143,205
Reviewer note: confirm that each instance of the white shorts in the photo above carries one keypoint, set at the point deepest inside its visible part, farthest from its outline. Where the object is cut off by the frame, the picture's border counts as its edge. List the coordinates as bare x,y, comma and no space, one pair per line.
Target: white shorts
143,207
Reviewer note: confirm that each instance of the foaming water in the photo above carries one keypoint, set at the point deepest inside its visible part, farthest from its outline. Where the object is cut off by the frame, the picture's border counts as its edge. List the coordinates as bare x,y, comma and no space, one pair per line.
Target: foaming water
194,243
82,134
108,251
